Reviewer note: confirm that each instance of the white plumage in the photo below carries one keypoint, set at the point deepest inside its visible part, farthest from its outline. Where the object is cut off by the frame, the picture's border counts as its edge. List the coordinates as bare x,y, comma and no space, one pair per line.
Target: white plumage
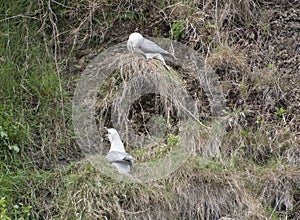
117,154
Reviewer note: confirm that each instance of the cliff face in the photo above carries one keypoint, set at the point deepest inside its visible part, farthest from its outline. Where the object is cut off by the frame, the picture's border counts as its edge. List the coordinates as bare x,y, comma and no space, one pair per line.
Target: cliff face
237,65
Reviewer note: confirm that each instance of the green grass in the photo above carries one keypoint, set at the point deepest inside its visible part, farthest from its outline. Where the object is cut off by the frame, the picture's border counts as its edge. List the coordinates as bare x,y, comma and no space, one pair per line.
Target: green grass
31,106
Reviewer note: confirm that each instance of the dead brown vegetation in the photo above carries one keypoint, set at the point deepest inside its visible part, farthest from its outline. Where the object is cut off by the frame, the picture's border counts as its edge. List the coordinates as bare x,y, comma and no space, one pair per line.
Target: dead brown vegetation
241,42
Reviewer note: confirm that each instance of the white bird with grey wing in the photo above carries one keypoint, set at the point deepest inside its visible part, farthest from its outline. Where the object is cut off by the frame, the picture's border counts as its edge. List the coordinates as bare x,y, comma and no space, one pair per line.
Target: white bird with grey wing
148,49
117,155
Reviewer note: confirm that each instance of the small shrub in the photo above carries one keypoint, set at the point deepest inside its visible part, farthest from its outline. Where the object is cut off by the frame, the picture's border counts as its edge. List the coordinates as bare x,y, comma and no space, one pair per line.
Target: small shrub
178,28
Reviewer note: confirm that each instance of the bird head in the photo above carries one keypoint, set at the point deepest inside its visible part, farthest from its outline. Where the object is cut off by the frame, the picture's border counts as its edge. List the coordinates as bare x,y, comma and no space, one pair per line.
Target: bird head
111,133
134,41
115,140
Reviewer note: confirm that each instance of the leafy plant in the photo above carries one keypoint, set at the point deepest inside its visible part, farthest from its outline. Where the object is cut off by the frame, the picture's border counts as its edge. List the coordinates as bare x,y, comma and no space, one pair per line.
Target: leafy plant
178,28
265,28
173,140
210,26
3,209
6,141
280,112
22,211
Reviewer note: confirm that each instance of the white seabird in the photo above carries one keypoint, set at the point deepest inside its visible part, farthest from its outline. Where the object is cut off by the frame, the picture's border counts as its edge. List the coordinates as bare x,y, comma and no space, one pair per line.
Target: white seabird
117,155
148,49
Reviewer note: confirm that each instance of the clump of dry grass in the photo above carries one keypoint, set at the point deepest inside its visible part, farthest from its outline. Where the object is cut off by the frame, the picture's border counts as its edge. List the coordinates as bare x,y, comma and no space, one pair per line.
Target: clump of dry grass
209,24
152,103
198,190
227,56
213,193
279,190
276,187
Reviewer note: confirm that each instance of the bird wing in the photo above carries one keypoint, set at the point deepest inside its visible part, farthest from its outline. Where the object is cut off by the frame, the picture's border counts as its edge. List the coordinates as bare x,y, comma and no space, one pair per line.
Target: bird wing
123,168
121,157
139,51
148,46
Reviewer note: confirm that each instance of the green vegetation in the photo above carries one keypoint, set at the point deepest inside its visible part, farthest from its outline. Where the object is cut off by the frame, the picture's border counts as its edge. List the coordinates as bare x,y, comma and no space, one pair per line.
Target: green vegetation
178,28
45,45
3,209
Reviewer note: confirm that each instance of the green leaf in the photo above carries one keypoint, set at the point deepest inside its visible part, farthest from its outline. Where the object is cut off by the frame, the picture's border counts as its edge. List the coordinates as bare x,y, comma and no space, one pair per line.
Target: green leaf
178,28
3,134
211,26
14,147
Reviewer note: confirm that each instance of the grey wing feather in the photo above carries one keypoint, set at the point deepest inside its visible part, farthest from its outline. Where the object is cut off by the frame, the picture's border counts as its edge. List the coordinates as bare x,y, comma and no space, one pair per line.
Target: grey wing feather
122,157
148,46
121,160
122,167
139,51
